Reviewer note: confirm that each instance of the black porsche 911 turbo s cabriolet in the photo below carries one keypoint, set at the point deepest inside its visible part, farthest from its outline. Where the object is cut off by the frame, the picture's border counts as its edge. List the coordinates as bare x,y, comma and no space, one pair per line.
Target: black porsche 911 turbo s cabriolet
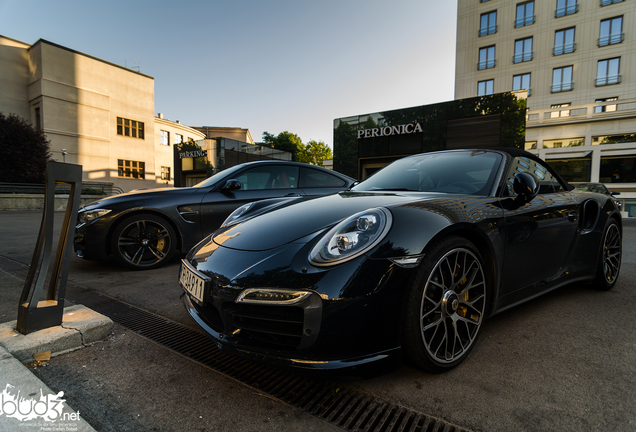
406,264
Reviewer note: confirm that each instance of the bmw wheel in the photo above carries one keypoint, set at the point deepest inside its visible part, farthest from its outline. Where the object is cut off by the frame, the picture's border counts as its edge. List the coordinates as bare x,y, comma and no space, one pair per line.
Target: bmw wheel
446,306
609,260
143,242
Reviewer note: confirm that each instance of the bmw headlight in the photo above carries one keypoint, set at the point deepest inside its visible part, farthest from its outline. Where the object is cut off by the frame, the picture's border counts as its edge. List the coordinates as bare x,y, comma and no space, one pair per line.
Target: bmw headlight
89,216
351,237
237,214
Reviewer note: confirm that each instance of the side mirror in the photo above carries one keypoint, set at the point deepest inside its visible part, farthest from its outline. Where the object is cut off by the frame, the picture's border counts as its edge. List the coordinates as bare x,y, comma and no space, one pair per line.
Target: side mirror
615,193
526,186
231,185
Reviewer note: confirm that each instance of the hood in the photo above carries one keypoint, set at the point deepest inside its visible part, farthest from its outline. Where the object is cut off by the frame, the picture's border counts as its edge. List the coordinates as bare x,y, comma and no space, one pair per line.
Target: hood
141,194
287,224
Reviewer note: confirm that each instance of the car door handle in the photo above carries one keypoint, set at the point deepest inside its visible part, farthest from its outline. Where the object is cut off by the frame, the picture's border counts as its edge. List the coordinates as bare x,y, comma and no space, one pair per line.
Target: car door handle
572,216
293,195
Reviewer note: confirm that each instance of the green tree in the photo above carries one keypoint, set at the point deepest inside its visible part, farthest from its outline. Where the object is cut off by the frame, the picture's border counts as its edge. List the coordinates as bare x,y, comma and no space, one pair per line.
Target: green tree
25,151
285,141
314,152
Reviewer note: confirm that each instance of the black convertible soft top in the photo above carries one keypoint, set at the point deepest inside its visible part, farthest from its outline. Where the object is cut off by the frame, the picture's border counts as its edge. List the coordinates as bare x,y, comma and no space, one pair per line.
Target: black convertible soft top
517,152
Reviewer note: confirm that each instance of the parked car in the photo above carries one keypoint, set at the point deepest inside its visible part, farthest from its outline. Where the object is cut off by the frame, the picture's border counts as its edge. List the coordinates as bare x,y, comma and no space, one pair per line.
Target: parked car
143,228
408,262
595,187
598,188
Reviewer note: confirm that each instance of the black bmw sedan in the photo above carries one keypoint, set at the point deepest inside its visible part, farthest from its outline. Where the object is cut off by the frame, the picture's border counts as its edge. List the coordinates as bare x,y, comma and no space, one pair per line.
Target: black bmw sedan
406,264
144,228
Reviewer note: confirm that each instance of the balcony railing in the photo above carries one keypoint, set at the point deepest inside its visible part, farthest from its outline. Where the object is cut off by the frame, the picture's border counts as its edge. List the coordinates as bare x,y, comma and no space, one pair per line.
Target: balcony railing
611,39
567,86
525,21
583,113
609,2
608,80
564,49
523,57
487,64
568,10
487,31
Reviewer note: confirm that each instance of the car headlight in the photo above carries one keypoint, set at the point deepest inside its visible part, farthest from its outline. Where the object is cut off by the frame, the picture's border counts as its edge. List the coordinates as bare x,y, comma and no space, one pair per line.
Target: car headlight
237,214
89,216
351,237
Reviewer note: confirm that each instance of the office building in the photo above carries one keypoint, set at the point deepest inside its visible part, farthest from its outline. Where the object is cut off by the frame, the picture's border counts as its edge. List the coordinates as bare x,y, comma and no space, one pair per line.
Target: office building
577,61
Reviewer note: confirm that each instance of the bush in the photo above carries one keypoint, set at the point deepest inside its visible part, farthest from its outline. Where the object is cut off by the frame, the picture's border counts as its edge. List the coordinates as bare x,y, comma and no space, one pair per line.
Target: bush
25,151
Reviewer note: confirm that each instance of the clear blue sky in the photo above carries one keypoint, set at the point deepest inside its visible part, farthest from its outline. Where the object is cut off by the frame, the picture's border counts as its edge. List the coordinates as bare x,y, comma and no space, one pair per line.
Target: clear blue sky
272,66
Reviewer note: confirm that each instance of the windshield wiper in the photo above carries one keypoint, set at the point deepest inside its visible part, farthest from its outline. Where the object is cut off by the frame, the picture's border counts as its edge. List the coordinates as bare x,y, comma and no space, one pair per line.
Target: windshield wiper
396,190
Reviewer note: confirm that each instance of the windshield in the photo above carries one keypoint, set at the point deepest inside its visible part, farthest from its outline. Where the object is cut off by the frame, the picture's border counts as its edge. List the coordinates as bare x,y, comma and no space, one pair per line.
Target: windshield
456,172
218,176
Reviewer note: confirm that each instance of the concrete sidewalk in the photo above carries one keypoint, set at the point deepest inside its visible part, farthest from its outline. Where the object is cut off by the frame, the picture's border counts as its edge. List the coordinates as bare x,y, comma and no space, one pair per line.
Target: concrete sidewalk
26,401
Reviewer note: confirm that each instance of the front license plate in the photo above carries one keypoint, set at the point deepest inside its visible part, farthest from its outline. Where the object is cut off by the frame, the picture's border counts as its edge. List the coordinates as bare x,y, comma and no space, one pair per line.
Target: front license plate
192,282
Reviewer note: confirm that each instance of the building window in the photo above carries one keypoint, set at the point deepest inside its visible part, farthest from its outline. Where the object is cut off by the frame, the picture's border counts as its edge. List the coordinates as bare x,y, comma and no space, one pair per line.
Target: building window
562,79
130,128
611,31
606,107
488,24
131,169
618,169
525,14
566,7
564,41
485,88
486,58
607,72
165,173
521,82
573,170
178,138
523,50
609,2
614,139
559,112
565,142
164,137
38,119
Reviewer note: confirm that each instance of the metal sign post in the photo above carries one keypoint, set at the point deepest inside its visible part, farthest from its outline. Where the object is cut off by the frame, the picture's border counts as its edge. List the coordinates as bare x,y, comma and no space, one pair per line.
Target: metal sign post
35,314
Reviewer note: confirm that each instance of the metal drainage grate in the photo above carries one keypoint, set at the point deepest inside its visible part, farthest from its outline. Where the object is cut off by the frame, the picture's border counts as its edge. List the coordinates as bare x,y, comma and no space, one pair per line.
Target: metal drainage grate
348,409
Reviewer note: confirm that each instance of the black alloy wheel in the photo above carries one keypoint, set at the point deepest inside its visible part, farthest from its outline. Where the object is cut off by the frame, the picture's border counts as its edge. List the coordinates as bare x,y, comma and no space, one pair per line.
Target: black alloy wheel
143,242
446,306
609,260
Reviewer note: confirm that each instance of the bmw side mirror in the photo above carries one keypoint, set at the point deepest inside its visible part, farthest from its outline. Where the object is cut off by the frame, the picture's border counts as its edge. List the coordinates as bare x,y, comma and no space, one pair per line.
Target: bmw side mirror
526,186
231,185
615,193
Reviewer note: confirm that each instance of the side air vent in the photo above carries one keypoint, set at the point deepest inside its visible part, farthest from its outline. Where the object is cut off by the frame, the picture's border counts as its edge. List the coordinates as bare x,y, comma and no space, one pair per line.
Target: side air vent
590,211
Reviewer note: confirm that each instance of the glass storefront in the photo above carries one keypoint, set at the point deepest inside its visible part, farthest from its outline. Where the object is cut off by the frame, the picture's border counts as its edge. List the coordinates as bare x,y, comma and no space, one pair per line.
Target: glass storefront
365,143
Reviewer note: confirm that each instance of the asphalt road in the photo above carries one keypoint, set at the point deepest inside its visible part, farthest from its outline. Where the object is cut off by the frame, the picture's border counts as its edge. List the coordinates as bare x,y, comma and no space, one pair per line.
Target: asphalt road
565,361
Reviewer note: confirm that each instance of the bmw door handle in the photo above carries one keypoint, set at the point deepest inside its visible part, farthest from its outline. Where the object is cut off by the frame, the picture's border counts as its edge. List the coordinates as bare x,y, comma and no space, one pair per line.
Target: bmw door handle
293,195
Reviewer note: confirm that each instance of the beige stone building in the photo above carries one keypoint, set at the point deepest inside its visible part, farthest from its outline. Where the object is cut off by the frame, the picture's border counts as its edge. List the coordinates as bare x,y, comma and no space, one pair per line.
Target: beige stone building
577,61
95,113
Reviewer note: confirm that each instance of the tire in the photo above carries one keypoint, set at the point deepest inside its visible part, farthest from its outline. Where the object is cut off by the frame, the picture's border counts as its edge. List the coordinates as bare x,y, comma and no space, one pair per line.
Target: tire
445,306
143,242
609,259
